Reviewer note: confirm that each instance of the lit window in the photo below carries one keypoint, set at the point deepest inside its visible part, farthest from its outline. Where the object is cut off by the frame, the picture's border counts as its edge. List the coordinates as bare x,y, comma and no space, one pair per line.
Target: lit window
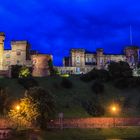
18,52
7,55
78,59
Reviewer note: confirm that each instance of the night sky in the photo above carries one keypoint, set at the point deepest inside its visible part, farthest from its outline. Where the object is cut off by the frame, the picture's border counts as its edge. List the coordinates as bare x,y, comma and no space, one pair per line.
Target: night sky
55,26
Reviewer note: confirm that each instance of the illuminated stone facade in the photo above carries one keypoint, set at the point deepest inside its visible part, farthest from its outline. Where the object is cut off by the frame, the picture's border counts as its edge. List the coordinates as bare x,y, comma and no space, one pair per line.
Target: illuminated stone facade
20,54
40,65
81,61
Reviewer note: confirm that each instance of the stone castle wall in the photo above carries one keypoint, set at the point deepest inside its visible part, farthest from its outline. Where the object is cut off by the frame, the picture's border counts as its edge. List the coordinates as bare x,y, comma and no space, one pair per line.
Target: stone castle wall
40,65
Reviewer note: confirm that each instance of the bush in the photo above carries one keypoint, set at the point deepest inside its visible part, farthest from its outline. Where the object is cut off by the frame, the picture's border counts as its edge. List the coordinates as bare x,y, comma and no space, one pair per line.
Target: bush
94,74
119,69
15,70
66,83
28,83
98,87
25,72
93,108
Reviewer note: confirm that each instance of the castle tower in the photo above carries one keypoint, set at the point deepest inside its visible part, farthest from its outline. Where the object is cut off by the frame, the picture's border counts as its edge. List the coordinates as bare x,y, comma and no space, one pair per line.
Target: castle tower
40,65
100,58
132,55
2,38
78,57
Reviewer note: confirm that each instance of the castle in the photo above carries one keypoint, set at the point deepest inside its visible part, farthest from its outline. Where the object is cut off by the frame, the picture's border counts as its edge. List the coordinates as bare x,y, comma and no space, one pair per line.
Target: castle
82,61
79,61
20,54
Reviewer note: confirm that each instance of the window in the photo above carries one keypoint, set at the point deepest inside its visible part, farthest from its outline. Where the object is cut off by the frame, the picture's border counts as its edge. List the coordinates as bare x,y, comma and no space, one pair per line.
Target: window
78,59
18,52
18,61
7,55
90,59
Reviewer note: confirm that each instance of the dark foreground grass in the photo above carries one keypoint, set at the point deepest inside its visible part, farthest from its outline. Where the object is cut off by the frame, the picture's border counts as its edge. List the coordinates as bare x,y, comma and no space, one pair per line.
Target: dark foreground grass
70,101
87,134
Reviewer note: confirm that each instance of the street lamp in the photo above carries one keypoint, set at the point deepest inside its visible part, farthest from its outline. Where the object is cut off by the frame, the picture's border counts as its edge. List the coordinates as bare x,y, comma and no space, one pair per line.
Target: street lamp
17,107
114,110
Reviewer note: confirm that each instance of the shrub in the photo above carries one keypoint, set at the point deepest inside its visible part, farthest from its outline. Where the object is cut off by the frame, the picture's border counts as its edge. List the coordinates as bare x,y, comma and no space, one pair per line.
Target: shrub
25,72
94,74
15,70
66,83
119,69
97,87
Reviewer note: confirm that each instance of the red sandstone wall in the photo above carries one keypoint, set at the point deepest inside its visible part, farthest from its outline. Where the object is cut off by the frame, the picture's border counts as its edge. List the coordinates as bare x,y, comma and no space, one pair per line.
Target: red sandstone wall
40,65
96,122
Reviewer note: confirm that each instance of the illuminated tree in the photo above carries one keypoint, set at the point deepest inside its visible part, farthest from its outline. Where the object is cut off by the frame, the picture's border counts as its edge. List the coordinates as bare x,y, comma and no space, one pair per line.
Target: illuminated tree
24,72
35,108
26,114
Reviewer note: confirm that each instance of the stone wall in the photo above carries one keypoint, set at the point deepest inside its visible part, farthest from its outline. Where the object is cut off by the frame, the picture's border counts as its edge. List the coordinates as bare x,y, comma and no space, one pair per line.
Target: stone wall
40,65
96,122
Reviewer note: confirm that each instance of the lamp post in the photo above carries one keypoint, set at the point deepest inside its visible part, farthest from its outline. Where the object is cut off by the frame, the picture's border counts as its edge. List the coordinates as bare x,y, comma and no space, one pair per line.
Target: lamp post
17,107
114,110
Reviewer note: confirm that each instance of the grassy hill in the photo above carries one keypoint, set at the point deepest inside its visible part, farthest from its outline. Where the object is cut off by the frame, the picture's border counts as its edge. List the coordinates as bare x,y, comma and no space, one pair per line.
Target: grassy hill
70,100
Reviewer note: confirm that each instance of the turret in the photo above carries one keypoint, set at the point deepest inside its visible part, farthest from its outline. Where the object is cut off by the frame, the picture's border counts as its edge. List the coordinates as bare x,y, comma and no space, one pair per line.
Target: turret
132,55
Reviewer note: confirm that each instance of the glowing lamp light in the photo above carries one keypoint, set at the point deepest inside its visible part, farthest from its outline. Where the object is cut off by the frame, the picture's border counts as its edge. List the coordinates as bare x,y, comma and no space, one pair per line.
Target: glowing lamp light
114,109
17,107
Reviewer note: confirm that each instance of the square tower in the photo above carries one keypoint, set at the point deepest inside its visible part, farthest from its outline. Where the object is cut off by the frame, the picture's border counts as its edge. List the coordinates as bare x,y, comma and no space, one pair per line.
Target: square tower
78,57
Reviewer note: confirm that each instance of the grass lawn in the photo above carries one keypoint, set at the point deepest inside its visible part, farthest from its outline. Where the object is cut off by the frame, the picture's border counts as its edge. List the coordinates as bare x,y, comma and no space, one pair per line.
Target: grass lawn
69,100
87,134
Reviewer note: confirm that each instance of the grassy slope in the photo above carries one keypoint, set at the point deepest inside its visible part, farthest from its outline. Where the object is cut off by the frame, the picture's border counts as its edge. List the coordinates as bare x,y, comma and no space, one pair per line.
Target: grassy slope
69,100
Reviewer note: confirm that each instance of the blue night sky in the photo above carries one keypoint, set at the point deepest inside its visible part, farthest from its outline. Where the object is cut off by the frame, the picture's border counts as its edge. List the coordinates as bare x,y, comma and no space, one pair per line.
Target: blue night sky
55,26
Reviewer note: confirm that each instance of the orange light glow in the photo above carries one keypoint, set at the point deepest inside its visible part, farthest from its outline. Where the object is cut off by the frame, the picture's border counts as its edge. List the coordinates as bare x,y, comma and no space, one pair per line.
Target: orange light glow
17,107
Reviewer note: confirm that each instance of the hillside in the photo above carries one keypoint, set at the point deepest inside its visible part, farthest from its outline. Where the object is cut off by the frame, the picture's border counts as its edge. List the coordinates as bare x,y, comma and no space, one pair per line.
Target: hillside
70,100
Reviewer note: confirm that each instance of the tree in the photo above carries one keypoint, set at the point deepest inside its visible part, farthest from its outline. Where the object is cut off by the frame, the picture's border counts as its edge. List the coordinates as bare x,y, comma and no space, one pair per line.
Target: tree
24,72
36,108
26,114
45,104
94,108
102,75
119,69
4,100
51,68
15,69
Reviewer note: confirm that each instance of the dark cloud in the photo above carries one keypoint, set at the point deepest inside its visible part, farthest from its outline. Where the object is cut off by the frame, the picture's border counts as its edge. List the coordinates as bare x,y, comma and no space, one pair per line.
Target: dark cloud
55,26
